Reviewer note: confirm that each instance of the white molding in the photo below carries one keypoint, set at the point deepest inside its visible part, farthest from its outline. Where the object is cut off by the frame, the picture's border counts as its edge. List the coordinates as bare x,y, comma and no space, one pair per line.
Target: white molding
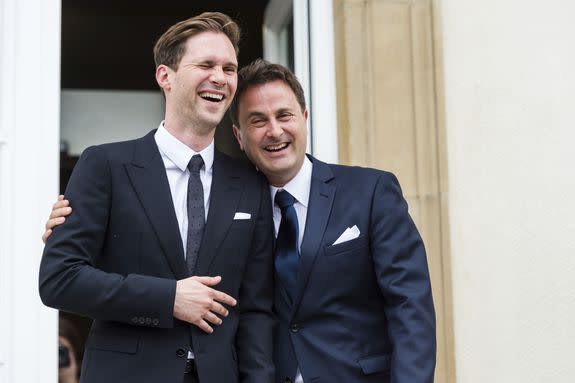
301,59
277,15
29,130
323,100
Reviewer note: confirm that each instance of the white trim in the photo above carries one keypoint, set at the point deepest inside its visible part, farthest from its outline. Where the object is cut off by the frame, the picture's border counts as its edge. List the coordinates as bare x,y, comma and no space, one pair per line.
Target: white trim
323,100
301,59
277,15
29,130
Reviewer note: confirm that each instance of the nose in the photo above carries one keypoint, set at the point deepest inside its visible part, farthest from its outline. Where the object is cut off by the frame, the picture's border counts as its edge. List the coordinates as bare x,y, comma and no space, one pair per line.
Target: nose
218,76
274,130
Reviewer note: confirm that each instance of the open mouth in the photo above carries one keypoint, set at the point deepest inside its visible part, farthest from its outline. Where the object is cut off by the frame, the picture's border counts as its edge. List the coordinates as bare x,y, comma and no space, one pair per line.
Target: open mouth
212,97
277,147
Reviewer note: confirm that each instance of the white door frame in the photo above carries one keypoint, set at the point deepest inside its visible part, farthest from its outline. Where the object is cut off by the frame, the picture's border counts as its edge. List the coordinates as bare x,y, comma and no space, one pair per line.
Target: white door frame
314,62
29,169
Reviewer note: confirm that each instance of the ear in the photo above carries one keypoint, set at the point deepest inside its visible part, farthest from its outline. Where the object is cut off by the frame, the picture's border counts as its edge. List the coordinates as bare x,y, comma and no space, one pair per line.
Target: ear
163,77
305,115
238,135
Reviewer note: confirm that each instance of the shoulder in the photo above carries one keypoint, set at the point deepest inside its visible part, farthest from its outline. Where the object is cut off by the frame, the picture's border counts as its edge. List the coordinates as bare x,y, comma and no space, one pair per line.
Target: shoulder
120,151
357,174
238,167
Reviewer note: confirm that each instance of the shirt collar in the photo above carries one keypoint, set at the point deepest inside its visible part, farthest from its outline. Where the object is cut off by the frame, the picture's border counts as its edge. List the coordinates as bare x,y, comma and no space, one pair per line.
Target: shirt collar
178,152
299,187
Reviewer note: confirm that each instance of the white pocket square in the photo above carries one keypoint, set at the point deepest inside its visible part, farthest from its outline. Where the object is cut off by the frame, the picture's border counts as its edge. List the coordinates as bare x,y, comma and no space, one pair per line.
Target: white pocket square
240,215
349,234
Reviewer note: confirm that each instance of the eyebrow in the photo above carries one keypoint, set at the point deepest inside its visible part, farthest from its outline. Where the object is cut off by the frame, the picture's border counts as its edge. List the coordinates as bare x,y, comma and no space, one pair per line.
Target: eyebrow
255,114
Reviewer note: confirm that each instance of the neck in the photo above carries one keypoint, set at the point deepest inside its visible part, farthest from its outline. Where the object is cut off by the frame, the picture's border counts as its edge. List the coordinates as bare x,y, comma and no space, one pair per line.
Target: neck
195,137
279,180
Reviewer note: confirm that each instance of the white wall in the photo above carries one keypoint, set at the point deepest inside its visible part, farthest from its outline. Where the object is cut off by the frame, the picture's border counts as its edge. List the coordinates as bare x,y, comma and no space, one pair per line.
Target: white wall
91,117
29,104
510,116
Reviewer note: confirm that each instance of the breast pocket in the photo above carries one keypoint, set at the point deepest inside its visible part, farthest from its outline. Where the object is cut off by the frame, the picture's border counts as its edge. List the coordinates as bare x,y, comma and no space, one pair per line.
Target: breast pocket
347,247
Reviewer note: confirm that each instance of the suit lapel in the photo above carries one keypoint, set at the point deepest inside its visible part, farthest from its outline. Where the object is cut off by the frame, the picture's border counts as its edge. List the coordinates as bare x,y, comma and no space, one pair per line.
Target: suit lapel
148,176
224,198
319,209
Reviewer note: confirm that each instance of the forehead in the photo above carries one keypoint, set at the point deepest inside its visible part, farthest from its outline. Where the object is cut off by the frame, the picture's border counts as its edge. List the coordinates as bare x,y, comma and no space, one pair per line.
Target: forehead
274,93
210,45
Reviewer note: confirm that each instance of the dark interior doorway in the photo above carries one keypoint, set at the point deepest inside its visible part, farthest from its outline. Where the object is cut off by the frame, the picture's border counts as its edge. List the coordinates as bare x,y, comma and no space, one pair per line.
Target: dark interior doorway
107,45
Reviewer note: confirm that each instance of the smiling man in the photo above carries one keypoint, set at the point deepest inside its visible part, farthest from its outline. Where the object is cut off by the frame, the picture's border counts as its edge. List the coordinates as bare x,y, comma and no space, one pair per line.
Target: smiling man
168,235
352,289
353,294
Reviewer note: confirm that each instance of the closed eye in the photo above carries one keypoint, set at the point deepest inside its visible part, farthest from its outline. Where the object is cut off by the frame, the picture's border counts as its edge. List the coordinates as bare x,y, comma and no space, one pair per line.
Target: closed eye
285,117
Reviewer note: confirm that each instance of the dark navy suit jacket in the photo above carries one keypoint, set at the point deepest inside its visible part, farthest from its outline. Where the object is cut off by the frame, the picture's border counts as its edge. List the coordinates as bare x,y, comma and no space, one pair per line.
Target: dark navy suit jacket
116,259
363,310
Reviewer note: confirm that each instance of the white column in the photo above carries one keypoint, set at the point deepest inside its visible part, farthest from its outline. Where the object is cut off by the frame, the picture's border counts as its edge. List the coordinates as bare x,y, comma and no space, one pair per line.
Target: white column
29,135
323,90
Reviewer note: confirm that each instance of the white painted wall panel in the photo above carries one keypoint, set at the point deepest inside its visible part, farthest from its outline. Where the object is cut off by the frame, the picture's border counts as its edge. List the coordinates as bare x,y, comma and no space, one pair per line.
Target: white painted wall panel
509,84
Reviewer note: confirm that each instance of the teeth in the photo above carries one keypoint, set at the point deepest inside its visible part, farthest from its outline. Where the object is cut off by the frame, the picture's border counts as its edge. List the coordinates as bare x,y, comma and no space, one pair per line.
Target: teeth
276,147
212,96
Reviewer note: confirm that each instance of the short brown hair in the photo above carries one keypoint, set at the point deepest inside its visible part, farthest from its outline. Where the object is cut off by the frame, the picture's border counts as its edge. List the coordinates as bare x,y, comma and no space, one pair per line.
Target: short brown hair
170,47
261,72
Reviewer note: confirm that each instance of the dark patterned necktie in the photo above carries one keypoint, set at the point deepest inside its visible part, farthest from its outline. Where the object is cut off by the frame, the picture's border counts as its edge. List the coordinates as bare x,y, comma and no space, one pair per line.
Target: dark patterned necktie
286,252
196,212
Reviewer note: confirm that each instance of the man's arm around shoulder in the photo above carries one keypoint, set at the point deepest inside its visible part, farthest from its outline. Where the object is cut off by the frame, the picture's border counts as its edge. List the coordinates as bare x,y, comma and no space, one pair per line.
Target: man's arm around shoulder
68,278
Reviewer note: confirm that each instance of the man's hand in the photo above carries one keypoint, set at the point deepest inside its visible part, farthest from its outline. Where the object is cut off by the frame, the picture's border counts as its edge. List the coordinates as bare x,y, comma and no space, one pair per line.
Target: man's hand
197,303
60,210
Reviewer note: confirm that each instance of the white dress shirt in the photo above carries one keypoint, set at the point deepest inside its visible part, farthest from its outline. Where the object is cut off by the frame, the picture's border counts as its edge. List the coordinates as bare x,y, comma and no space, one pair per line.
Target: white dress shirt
176,155
299,187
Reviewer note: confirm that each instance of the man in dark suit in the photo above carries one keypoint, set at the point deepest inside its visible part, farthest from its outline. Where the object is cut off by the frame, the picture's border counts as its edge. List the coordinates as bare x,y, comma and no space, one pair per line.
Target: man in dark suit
167,233
353,294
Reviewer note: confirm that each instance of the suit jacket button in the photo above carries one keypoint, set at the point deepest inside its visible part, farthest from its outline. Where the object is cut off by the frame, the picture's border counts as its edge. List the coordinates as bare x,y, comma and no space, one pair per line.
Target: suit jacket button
181,352
287,380
294,327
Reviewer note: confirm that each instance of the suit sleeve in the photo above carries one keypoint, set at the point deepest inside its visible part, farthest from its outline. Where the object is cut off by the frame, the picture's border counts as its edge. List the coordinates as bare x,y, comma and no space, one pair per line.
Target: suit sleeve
68,278
254,338
401,268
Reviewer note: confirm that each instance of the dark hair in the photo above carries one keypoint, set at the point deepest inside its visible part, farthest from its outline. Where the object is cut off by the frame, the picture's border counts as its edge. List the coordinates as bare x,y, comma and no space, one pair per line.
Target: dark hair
261,72
171,46
68,330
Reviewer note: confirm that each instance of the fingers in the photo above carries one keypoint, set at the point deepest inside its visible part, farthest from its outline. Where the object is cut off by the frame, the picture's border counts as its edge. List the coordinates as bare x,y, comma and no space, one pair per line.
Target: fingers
212,318
208,281
204,326
223,298
198,303
53,222
217,308
46,235
60,211
215,294
60,202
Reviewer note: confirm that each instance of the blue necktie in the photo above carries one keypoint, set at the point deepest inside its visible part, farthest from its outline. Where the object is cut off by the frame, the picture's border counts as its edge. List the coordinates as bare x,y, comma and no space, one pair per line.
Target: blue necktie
287,253
196,213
